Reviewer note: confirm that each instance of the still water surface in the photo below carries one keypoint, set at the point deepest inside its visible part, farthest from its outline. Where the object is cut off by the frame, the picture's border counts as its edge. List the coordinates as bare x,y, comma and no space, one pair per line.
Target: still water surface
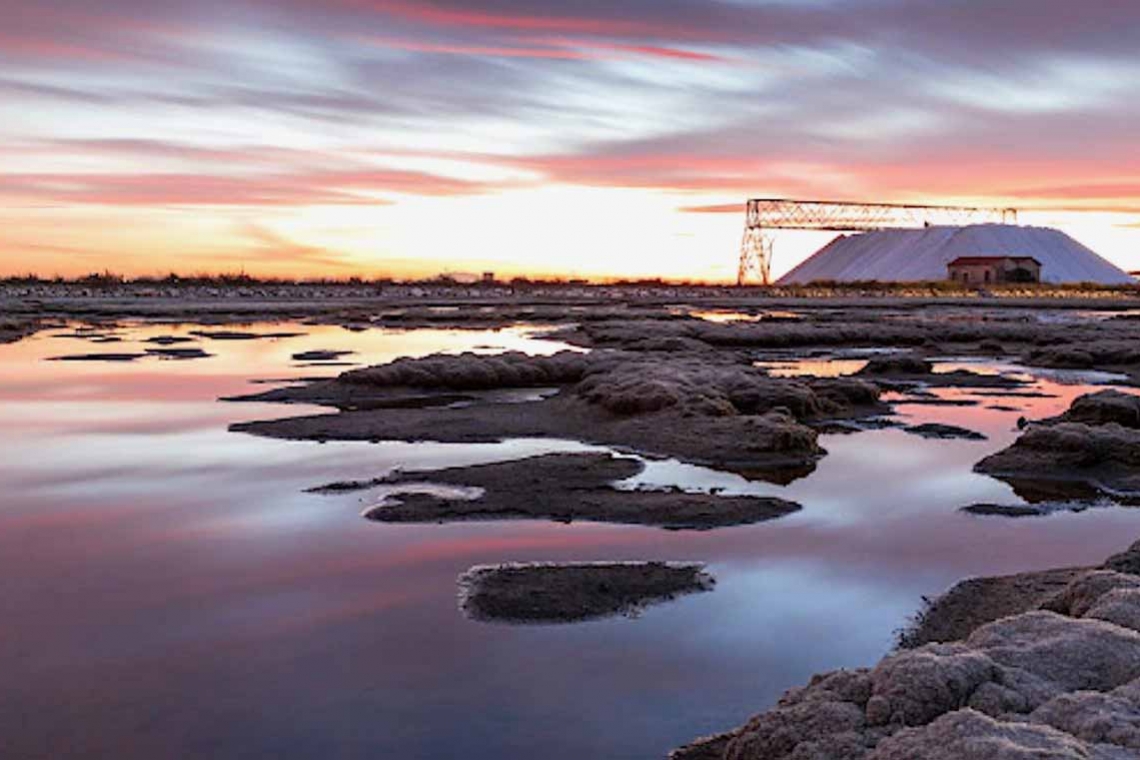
168,589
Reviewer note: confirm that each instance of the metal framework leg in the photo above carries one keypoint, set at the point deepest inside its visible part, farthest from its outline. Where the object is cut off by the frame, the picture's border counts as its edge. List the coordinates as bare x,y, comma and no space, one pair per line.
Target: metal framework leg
755,256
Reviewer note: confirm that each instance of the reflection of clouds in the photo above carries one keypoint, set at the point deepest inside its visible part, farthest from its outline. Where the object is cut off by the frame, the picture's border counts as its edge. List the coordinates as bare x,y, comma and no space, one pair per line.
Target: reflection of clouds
146,547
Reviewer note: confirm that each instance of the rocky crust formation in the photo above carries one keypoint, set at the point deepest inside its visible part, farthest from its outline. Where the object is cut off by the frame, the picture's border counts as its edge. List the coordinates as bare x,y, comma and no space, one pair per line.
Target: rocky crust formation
902,371
574,592
1097,441
1105,353
320,355
242,335
714,410
1059,681
98,357
945,432
178,353
566,487
1024,510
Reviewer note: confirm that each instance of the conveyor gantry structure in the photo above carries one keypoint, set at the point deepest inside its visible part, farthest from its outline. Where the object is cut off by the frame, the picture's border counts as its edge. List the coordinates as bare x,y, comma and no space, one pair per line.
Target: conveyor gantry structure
765,215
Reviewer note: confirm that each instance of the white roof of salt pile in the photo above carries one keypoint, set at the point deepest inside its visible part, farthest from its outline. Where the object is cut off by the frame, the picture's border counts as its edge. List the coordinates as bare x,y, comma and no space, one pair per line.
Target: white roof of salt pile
922,254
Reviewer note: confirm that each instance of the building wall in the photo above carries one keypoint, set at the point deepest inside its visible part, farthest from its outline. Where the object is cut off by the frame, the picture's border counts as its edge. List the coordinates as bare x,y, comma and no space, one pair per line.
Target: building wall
974,274
982,274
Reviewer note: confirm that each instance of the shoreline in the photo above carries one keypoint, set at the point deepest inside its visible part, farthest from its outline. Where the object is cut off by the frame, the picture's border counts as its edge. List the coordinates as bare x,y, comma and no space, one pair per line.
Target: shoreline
1017,667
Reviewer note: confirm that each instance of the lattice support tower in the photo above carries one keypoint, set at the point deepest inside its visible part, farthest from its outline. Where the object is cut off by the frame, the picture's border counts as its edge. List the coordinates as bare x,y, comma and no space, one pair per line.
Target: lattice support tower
765,215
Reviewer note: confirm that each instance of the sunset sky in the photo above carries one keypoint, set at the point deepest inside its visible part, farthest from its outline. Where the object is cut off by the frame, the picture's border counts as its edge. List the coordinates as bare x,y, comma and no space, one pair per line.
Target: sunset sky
590,138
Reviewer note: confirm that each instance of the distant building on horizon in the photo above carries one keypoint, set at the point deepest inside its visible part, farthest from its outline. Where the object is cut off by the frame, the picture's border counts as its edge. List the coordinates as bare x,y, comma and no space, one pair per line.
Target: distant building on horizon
986,270
925,254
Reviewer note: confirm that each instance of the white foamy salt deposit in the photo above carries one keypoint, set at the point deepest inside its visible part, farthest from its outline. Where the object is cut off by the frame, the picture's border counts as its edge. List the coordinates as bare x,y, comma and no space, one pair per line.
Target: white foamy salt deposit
390,495
922,254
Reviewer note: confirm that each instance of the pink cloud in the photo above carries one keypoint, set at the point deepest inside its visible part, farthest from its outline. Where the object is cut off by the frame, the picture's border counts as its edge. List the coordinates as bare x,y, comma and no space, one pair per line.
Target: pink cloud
183,189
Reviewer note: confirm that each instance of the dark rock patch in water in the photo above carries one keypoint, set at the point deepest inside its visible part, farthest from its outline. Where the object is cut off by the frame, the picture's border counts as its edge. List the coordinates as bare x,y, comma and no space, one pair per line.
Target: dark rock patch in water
169,340
922,400
946,432
1106,456
573,592
178,353
902,371
569,487
893,365
1013,394
1103,407
240,335
320,355
98,357
346,486
857,425
1006,510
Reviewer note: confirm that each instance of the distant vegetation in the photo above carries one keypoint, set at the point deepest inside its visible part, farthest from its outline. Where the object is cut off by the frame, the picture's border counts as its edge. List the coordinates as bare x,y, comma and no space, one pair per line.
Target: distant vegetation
108,279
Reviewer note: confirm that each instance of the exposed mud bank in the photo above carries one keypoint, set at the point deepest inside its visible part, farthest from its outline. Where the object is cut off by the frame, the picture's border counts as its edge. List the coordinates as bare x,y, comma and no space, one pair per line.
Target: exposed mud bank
721,412
566,488
242,335
1043,665
1025,510
1096,442
903,371
925,331
537,593
320,355
98,357
942,431
178,353
1041,331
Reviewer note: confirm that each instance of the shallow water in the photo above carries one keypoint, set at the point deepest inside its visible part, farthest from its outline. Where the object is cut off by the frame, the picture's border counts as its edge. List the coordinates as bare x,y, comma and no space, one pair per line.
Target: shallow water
170,590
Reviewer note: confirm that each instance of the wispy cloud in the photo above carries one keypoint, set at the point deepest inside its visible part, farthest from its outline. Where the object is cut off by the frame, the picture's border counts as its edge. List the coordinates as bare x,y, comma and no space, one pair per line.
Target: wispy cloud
286,105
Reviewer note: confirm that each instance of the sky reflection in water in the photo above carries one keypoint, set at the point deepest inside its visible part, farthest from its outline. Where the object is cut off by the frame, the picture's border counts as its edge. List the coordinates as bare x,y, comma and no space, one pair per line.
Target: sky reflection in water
170,590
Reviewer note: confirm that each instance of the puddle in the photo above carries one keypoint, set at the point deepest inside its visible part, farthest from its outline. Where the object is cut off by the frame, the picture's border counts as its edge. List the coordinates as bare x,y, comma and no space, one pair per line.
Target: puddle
145,546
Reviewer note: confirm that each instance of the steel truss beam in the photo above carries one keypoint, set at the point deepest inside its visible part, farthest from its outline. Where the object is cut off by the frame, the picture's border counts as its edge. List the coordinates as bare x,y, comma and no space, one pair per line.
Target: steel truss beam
763,215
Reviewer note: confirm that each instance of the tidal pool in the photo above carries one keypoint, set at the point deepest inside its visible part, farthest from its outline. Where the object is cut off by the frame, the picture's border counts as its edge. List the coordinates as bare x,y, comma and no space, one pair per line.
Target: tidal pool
170,589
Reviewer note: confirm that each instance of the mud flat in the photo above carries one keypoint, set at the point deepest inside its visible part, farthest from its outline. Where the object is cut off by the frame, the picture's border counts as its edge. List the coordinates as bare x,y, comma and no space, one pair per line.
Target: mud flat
169,340
1043,665
704,409
320,355
901,371
1020,510
537,593
1040,327
1095,442
565,488
242,335
98,357
178,353
942,431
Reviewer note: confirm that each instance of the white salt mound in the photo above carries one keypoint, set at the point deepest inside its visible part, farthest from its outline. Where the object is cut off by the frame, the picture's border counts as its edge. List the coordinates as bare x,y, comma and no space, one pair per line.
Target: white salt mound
922,254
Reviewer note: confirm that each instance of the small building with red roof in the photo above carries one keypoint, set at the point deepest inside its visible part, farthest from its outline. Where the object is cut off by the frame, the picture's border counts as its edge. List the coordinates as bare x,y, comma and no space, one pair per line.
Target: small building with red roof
989,270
